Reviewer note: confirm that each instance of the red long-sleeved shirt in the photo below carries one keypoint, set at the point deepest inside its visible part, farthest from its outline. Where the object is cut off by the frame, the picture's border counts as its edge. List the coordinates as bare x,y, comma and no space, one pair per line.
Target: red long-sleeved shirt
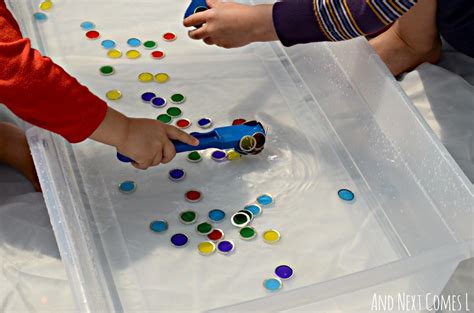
41,92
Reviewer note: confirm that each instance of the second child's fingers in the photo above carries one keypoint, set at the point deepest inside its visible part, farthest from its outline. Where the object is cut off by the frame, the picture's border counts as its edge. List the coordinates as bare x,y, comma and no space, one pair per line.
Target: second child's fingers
158,158
199,33
212,3
169,152
142,166
195,19
208,41
177,134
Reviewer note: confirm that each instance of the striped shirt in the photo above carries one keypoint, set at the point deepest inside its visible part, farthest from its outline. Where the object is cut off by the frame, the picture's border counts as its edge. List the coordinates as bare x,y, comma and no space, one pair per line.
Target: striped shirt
302,21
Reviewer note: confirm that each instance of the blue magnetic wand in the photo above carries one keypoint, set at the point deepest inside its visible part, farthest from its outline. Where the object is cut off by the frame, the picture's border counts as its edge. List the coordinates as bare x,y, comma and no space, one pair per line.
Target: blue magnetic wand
194,7
248,138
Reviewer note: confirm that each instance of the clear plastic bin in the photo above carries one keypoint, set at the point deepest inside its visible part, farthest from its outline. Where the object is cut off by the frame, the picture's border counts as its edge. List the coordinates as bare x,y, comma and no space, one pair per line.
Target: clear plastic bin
336,119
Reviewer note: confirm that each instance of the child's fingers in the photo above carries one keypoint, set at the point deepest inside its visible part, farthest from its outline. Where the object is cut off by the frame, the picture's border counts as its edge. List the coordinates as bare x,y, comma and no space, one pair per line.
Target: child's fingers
199,33
142,166
169,152
158,158
212,3
196,19
208,41
177,134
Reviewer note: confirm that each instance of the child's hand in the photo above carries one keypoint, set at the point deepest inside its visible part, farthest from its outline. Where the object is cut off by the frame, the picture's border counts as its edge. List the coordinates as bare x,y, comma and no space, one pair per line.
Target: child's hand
144,140
232,25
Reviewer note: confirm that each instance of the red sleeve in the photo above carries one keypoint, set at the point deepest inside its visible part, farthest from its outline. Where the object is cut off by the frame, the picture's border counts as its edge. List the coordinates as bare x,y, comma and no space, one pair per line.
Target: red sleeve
41,92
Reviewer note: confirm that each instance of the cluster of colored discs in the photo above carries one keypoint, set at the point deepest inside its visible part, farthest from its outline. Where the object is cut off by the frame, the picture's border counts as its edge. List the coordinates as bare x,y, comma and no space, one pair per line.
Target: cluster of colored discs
283,272
171,112
44,6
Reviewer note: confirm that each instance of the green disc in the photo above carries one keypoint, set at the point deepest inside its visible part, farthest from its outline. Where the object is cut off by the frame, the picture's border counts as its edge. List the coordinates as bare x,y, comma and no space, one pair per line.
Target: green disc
107,70
164,118
150,44
204,228
174,112
194,157
188,217
248,233
178,98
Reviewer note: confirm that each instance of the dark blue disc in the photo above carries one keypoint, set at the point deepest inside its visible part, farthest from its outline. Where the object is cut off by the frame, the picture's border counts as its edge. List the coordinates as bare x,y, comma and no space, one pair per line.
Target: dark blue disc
158,102
225,246
148,96
218,155
179,240
205,122
284,271
176,174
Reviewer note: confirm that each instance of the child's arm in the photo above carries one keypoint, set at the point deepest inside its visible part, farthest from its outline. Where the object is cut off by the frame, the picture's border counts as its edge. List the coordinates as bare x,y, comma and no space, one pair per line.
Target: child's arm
42,93
294,21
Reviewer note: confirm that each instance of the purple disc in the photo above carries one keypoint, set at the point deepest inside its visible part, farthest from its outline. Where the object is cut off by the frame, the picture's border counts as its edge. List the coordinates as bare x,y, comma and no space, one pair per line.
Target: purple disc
179,240
284,271
218,155
176,174
225,246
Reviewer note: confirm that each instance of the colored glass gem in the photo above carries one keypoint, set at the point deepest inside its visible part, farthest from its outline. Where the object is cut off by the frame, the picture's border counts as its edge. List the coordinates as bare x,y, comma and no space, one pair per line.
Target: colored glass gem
93,34
108,44
46,5
157,54
216,215
149,44
271,236
238,121
265,199
159,226
272,284
114,54
134,42
247,143
183,123
148,96
206,248
218,155
260,139
284,272
176,174
248,233
194,157
193,196
178,98
233,155
169,36
240,219
188,217
225,246
205,122
346,194
216,235
40,16
107,70
248,213
254,208
164,118
162,78
174,112
204,228
145,77
133,54
179,240
158,102
127,186
114,94
87,25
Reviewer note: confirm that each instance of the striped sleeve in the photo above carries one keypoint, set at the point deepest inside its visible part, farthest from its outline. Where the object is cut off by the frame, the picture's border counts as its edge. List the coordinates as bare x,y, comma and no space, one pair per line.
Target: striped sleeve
302,21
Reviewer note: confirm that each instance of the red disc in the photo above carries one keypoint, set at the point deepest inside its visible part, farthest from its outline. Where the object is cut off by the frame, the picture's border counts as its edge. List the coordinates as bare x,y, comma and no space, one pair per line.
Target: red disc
193,196
157,54
238,121
183,123
169,36
216,235
92,34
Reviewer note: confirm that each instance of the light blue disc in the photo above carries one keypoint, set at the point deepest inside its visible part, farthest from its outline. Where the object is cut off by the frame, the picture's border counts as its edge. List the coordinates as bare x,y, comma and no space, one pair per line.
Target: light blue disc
265,199
134,42
108,44
272,284
40,17
346,194
159,226
87,25
127,186
216,215
254,208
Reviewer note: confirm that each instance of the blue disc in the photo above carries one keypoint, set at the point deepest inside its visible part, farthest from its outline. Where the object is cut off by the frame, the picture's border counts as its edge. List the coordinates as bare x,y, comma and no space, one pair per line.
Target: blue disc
205,122
159,226
148,96
177,174
272,284
158,102
127,186
179,240
218,155
254,208
265,199
108,44
87,25
40,17
346,194
134,42
216,215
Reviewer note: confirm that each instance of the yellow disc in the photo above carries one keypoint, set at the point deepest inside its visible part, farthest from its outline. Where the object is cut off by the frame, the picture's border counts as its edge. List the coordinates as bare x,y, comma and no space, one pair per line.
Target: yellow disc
145,77
271,236
114,94
133,54
248,143
232,155
162,78
46,5
114,54
206,248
